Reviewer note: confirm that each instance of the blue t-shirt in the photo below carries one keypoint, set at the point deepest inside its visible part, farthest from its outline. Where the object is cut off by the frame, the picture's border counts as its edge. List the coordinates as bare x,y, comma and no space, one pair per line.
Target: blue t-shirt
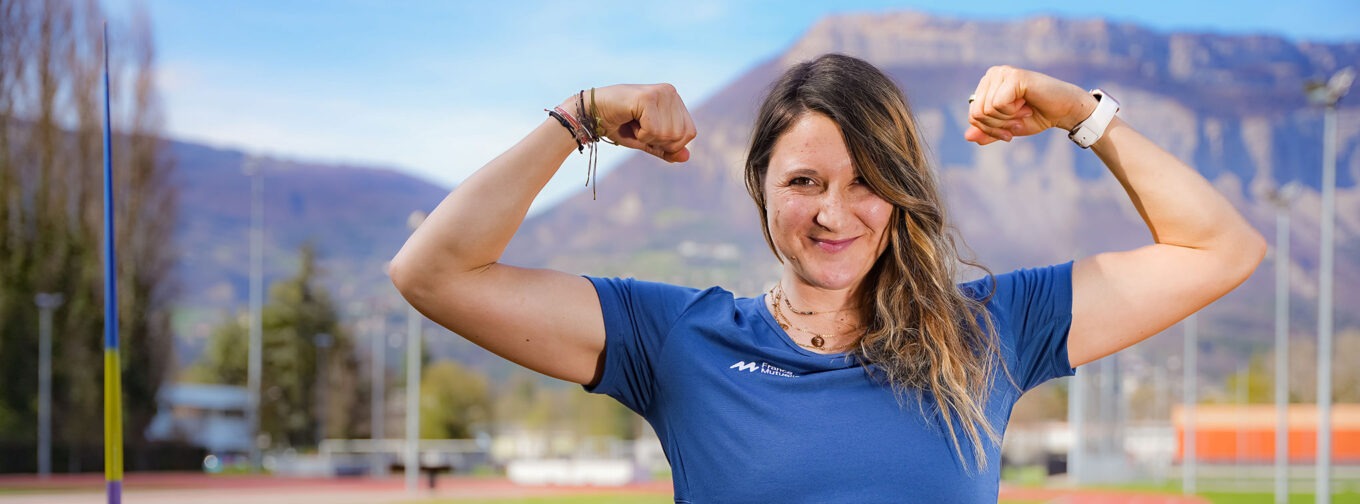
746,415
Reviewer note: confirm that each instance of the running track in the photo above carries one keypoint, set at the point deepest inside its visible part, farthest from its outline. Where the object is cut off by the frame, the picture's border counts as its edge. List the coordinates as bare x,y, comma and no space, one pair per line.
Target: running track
176,488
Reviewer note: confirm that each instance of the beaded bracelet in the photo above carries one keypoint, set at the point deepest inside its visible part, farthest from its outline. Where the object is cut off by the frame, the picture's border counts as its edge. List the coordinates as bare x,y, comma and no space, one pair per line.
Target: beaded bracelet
586,132
593,161
578,129
567,124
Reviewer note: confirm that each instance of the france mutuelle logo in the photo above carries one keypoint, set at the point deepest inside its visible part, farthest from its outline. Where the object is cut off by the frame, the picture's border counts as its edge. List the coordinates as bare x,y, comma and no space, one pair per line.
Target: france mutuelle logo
763,367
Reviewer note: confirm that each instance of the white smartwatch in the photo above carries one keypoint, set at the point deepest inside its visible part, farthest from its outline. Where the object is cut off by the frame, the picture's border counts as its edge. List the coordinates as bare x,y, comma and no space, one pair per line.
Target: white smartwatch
1088,131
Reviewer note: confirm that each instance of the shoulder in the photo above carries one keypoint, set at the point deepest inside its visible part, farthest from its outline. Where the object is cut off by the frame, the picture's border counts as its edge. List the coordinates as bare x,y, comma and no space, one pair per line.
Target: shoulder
668,300
1020,284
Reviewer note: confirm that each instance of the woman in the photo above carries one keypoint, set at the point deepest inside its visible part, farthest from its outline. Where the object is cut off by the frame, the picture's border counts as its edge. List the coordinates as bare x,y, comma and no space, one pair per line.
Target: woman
865,374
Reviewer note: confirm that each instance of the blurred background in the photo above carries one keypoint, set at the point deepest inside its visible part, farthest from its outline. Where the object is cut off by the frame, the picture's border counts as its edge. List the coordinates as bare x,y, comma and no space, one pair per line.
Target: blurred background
270,158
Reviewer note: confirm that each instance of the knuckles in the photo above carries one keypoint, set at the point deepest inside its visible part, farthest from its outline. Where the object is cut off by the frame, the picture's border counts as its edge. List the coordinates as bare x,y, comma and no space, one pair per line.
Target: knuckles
1003,70
662,136
656,92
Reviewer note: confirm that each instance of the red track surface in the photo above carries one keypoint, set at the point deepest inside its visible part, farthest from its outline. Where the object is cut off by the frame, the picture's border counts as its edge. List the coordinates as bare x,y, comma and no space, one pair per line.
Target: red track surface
200,488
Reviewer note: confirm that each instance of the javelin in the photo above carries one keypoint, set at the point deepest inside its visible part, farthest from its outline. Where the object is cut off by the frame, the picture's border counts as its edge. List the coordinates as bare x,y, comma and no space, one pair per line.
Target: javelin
113,385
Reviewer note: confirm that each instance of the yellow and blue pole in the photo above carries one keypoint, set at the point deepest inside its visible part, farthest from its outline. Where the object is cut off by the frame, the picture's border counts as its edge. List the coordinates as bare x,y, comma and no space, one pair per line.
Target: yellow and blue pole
113,383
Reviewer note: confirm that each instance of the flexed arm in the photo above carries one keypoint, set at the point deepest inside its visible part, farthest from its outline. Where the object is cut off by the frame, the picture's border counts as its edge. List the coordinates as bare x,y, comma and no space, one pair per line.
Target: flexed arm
1203,248
544,320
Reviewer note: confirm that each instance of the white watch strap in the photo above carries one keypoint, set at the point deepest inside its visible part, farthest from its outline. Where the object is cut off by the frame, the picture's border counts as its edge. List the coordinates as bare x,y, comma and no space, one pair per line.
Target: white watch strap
1089,131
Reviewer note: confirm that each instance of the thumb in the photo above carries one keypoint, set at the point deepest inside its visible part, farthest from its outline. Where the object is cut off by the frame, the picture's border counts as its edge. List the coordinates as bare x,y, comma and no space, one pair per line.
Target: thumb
655,150
679,156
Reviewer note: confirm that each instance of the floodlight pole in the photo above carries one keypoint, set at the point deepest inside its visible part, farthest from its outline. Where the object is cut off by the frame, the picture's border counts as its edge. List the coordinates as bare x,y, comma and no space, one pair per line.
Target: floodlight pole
46,302
1076,417
413,321
255,359
1188,394
378,366
1282,199
1327,95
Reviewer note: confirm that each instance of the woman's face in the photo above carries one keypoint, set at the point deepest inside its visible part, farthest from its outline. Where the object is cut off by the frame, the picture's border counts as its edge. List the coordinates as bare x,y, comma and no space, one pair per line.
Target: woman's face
826,224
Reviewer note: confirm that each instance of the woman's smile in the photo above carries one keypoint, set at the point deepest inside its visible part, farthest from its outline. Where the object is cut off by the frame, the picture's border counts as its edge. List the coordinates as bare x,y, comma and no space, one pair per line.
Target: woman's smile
833,246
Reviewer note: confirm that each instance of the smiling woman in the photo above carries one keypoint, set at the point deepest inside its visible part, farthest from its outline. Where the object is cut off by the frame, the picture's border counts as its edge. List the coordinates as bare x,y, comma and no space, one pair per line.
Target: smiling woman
833,201
865,374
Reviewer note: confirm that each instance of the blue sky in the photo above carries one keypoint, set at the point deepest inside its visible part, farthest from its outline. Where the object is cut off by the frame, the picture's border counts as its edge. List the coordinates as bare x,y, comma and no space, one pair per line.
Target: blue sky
437,88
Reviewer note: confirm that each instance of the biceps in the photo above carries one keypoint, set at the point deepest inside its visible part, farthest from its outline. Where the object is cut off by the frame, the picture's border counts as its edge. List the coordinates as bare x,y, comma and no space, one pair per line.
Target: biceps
1122,298
544,320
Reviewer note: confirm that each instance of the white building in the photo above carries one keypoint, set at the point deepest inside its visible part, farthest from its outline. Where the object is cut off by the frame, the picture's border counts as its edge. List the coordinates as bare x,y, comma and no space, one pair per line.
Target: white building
211,416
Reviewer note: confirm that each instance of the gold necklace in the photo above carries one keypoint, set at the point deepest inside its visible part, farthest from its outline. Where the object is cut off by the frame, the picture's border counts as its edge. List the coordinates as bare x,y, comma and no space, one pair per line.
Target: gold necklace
818,340
780,287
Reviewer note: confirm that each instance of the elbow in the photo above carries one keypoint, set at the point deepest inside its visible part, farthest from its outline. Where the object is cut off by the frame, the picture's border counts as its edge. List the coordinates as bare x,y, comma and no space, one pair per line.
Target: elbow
421,280
1259,246
407,281
1251,250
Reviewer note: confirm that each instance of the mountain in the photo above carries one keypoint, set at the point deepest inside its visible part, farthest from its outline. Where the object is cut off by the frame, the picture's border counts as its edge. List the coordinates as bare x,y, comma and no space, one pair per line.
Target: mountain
356,217
1232,106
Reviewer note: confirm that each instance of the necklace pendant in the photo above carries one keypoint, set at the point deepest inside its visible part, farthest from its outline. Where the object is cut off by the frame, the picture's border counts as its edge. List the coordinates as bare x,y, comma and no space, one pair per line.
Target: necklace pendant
818,341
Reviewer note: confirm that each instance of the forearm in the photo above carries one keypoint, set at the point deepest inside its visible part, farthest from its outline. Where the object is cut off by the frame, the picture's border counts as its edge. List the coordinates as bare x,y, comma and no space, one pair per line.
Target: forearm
472,226
1178,205
1204,248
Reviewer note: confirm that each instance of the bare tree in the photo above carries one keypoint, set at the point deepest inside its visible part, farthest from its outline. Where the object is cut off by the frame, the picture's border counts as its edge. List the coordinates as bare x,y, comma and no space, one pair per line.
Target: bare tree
51,211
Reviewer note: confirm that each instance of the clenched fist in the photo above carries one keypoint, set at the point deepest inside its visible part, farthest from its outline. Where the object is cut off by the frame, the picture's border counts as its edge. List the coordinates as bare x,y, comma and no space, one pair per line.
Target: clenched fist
648,117
1011,102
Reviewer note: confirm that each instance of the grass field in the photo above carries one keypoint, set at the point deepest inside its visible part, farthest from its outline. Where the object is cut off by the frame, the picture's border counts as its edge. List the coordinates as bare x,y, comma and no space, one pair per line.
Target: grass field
1269,498
1228,497
575,499
170,488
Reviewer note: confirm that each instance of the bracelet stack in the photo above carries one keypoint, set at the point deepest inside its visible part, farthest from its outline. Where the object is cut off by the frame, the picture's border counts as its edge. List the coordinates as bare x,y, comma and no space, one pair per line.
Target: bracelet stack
586,129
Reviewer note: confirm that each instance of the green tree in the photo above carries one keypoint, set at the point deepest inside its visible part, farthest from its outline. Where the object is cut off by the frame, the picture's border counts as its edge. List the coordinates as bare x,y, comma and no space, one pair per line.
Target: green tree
521,401
1257,378
601,416
223,360
309,379
528,401
453,401
1259,375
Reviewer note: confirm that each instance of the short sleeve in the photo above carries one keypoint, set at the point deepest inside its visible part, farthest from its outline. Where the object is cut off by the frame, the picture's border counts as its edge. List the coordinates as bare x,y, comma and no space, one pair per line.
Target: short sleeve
1033,311
637,318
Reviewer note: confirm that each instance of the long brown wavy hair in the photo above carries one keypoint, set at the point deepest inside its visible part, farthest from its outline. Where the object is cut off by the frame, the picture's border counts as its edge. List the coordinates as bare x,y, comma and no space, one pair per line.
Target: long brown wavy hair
924,336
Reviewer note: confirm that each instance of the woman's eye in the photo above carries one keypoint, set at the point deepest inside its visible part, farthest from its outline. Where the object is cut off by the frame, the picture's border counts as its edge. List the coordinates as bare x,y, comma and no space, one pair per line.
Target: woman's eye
859,181
800,181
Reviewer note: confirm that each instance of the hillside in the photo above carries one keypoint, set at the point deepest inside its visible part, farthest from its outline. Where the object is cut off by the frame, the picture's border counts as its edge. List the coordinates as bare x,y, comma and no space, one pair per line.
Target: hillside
356,216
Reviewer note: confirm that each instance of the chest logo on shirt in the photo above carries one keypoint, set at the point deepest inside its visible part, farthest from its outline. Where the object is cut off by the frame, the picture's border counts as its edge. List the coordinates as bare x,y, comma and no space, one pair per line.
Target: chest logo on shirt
762,367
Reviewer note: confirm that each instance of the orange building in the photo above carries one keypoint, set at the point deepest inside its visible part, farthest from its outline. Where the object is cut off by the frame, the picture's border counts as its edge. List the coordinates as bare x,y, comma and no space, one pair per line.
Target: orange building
1231,433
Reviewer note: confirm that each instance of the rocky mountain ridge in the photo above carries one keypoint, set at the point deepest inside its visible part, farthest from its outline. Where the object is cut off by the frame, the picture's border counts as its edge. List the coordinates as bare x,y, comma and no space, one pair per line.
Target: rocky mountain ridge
1230,105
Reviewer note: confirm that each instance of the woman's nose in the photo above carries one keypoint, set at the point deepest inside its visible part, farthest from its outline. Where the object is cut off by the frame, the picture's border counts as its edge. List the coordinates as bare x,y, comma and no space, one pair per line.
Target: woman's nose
832,211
